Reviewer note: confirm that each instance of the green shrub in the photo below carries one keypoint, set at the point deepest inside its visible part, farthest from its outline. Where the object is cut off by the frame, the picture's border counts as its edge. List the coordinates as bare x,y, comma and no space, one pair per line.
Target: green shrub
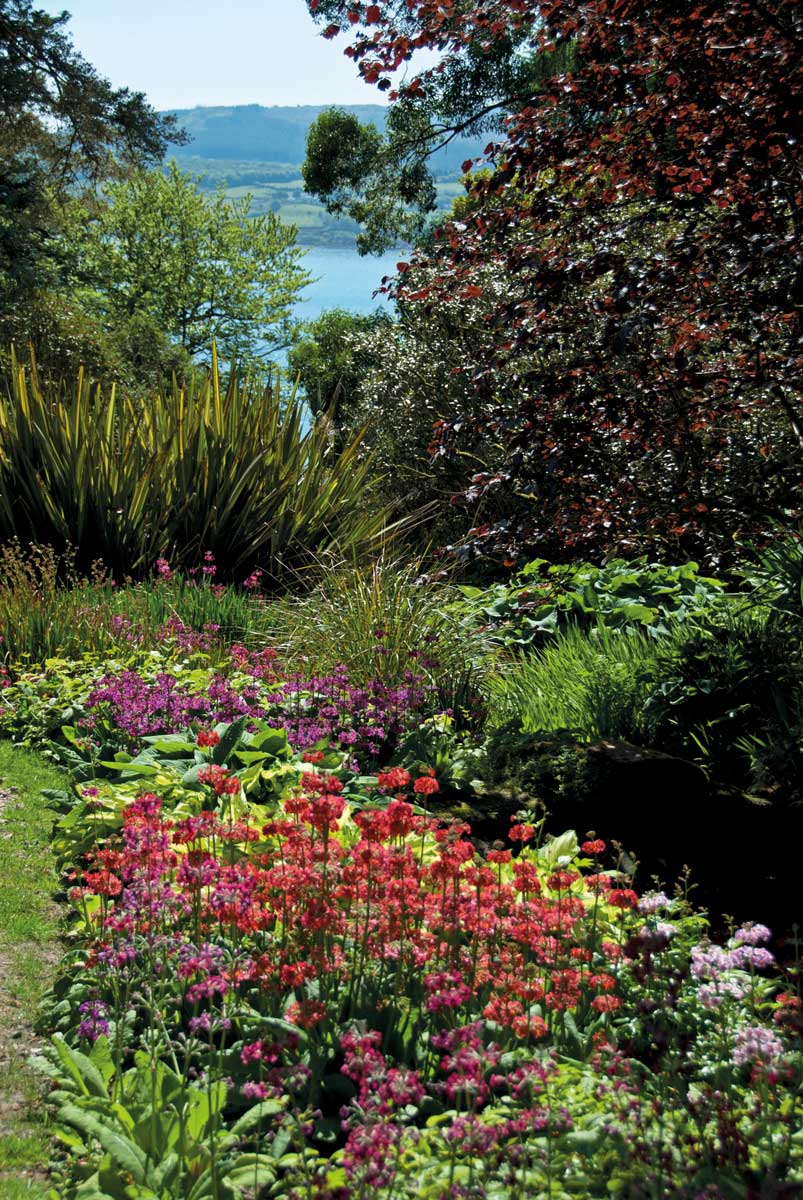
235,472
329,365
548,768
732,695
775,575
545,598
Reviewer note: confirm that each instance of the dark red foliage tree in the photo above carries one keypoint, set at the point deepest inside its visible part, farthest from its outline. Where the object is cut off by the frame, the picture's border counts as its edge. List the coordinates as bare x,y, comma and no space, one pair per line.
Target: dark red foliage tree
643,371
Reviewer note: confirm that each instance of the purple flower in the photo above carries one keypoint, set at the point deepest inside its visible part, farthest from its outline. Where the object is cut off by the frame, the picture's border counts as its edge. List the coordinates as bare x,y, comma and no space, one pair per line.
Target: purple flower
755,1044
652,902
752,934
755,957
94,1023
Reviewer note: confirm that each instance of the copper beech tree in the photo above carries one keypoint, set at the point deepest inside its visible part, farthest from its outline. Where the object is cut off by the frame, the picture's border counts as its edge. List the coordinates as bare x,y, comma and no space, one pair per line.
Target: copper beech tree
639,375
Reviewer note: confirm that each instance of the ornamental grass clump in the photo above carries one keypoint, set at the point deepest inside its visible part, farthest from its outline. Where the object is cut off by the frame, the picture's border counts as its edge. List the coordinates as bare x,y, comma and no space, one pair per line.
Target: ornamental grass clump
595,684
385,623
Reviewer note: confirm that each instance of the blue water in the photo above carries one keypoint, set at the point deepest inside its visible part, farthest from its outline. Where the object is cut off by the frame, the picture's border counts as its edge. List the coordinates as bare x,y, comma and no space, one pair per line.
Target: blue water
344,279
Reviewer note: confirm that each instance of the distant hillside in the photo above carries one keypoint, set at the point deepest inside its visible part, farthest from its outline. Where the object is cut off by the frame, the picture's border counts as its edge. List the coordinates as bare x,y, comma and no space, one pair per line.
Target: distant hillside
256,151
250,132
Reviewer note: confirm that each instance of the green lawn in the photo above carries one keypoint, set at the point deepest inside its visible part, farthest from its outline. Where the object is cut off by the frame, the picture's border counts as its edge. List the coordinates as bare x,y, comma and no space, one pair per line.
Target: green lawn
28,952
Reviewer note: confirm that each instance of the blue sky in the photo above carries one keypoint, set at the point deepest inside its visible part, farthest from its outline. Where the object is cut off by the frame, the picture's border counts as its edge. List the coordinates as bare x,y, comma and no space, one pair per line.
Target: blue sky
187,52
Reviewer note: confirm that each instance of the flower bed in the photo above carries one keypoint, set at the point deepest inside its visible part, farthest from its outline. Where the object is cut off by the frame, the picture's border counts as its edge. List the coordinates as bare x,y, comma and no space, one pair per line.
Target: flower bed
97,706
289,980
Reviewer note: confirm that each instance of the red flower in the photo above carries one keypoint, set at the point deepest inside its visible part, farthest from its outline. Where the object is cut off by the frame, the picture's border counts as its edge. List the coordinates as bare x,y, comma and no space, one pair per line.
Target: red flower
325,812
219,779
561,880
595,847
526,878
394,780
606,1003
622,898
401,818
103,883
521,833
375,826
311,782
426,785
499,856
529,1026
208,737
294,975
306,1013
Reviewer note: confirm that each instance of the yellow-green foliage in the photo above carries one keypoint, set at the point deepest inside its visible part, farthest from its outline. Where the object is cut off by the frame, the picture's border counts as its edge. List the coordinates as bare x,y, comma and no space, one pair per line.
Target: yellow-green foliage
192,468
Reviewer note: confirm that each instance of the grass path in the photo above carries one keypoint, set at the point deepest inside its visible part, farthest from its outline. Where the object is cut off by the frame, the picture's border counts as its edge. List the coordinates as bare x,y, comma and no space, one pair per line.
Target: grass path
29,951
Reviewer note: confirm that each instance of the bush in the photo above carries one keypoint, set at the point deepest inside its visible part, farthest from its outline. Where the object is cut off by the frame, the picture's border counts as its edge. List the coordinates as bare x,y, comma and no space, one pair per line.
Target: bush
775,573
330,366
544,598
732,695
190,470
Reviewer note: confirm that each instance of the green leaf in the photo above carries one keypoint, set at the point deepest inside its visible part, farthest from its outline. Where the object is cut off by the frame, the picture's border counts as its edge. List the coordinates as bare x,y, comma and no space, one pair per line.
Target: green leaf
277,1025
250,1173
68,1060
251,756
132,770
565,846
190,778
203,1106
585,1141
255,1116
170,744
229,737
273,741
167,1172
122,1150
101,1058
638,612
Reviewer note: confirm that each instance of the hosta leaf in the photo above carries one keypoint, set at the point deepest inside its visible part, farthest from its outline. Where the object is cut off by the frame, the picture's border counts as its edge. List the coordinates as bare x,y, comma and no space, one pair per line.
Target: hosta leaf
565,846
171,744
132,770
